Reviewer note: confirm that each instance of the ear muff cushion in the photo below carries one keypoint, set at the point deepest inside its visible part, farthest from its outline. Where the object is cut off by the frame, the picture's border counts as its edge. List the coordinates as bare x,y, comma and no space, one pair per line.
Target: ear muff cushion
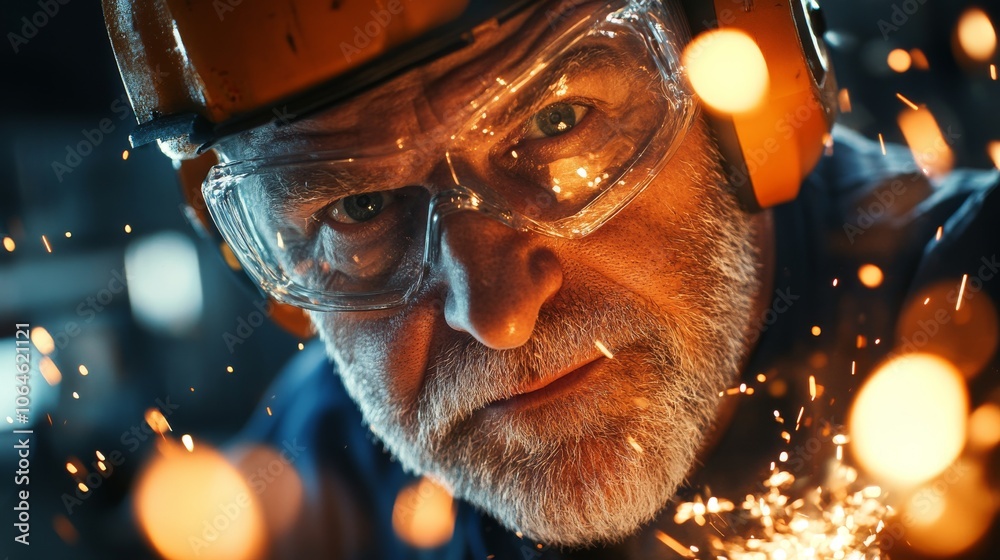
768,151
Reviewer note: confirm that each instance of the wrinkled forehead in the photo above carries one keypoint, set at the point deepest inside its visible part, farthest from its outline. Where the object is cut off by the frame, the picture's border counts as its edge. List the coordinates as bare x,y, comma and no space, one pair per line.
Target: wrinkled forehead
422,98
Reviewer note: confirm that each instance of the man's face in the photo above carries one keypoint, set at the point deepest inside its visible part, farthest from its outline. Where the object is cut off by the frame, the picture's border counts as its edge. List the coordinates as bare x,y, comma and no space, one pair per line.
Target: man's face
491,380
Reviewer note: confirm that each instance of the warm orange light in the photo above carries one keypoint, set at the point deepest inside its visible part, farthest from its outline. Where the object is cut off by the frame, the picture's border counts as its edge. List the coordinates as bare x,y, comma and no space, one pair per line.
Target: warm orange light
919,59
196,505
9,244
908,422
424,514
950,514
42,340
157,421
923,135
282,495
870,275
994,149
899,60
976,35
49,371
984,427
844,100
727,70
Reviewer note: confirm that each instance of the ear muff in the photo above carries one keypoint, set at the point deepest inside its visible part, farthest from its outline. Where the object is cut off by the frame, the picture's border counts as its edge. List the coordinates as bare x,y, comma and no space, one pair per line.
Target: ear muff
192,173
768,151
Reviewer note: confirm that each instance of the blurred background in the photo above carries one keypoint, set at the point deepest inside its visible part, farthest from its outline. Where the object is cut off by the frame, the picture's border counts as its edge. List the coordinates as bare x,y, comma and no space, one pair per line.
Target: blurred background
82,216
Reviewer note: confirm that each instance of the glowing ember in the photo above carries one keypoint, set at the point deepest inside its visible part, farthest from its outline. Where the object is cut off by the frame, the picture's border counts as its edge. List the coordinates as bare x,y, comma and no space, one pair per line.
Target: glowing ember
229,369
844,100
197,505
909,103
837,520
604,350
961,292
816,331
674,545
125,155
71,468
49,371
424,514
83,370
188,442
984,427
69,234
899,60
76,395
727,70
42,340
993,71
994,149
871,276
9,244
976,35
45,241
128,228
919,59
301,346
157,421
881,142
908,422
926,141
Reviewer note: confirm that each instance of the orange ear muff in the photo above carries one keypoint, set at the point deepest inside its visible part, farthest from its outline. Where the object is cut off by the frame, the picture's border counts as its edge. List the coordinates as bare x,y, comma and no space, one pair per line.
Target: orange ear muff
192,173
769,150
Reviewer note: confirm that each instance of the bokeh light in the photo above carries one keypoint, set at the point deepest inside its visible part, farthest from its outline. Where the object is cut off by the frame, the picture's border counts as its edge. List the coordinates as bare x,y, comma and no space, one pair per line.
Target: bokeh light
727,70
424,514
899,60
870,275
276,482
984,427
950,514
966,337
42,340
976,35
924,137
993,148
908,422
196,505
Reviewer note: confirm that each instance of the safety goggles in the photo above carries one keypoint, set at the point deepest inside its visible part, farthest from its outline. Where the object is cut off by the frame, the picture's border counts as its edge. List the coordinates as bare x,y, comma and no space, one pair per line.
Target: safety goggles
579,131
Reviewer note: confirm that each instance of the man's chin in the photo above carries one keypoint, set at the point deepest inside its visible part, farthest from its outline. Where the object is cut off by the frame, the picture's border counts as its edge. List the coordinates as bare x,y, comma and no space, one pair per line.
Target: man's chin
598,488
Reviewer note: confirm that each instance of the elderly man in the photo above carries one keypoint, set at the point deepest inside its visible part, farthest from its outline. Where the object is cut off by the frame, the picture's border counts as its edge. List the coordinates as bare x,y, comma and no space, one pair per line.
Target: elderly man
535,266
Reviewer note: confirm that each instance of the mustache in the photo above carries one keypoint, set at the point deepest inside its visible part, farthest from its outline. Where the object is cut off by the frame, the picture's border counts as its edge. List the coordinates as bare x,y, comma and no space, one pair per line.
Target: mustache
467,376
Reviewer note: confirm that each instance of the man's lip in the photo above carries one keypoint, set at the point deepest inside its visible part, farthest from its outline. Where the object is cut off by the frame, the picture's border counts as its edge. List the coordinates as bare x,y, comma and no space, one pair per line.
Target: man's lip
550,386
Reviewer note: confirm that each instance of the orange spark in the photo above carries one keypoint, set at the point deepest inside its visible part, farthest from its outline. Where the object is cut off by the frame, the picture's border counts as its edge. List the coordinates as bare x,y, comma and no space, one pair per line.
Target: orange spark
911,104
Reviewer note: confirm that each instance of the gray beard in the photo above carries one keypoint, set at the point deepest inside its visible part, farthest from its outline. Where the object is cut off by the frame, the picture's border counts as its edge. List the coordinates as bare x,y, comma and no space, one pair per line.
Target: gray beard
568,473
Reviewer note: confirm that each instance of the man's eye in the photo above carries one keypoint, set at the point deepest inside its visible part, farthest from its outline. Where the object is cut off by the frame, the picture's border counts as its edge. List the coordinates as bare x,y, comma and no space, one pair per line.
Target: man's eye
359,207
556,119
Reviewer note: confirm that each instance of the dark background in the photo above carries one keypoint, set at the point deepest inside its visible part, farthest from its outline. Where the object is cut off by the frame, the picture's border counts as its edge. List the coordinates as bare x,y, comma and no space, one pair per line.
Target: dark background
64,80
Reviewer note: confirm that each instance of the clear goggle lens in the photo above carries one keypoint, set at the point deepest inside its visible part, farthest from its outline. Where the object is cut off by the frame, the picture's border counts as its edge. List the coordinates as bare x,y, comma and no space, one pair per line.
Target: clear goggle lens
589,120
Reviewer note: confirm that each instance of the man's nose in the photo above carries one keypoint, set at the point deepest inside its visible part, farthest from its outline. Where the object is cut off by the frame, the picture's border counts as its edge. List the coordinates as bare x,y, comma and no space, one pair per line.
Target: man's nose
497,279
